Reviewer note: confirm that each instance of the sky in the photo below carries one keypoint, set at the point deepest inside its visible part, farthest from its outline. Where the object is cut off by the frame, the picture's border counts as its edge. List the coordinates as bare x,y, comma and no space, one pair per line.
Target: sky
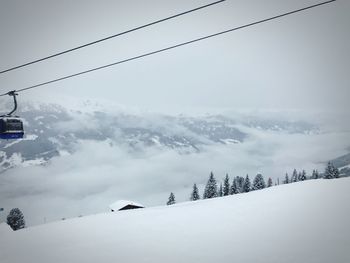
297,62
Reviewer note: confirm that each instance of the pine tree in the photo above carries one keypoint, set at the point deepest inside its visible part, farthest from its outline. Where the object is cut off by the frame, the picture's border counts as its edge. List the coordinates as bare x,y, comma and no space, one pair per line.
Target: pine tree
302,176
336,172
234,189
246,185
171,200
315,174
226,190
258,182
15,219
195,194
331,172
328,173
294,176
269,182
286,180
220,192
240,184
211,190
299,176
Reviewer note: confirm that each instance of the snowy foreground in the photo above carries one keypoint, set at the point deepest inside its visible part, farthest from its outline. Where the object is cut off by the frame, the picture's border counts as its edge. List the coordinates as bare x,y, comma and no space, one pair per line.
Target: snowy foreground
301,222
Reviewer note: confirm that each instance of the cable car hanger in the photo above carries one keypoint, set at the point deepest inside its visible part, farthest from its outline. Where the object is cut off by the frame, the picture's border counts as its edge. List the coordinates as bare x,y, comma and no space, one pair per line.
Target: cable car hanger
13,94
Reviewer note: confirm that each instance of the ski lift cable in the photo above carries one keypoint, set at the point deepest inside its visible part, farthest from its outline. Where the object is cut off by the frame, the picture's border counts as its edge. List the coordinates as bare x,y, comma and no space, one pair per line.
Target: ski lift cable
170,47
110,37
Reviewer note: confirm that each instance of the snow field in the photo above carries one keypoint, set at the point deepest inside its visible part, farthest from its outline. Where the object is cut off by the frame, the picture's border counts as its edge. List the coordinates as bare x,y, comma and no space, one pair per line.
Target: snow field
300,222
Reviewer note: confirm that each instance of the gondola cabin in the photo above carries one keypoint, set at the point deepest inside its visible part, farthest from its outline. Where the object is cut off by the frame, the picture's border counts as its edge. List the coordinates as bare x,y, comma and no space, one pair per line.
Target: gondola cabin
11,128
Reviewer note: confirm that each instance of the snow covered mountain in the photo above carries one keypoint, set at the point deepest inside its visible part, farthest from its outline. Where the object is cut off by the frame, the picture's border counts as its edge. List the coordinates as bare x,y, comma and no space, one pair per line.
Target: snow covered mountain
52,130
343,164
300,222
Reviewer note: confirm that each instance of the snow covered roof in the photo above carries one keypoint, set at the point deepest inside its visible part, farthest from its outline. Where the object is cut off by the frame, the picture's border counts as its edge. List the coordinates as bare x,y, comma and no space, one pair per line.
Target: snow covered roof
123,203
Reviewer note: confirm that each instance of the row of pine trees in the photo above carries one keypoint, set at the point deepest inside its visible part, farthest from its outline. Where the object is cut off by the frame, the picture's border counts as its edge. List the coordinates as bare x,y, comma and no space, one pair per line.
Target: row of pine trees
244,184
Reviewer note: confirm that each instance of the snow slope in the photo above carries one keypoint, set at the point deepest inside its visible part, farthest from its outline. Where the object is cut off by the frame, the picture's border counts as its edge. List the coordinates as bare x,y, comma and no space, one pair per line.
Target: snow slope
300,222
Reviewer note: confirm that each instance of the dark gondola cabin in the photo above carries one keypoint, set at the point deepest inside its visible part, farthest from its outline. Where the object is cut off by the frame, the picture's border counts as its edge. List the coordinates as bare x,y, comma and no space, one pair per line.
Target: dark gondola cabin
11,128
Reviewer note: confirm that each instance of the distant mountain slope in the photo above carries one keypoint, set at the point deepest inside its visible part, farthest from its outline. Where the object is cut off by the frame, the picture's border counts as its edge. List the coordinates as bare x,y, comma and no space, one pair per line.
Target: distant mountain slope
343,164
342,161
300,222
52,130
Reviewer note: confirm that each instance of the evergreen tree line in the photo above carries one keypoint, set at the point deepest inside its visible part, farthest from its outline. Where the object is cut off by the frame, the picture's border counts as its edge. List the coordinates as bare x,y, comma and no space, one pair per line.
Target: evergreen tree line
330,172
244,185
238,185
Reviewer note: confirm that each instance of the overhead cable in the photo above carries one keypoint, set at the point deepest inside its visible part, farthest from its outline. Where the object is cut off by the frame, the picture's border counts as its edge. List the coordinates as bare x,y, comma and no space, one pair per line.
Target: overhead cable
171,47
109,37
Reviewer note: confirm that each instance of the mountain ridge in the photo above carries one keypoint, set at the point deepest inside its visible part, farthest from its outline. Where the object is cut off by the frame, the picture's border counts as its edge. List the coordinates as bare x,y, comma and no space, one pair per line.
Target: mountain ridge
52,130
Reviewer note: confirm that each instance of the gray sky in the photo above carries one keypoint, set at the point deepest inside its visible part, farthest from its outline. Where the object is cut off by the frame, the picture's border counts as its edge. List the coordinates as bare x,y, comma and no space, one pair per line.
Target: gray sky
300,61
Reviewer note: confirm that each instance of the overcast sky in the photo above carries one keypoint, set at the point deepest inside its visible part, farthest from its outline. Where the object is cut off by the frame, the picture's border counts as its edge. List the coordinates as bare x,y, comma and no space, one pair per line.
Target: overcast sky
301,61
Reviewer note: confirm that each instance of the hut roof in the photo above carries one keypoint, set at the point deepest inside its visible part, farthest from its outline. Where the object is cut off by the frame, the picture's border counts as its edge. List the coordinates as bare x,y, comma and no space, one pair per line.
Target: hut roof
123,203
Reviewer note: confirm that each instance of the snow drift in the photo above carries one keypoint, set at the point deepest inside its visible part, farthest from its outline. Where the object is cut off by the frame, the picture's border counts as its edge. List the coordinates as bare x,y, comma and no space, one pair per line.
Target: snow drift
300,222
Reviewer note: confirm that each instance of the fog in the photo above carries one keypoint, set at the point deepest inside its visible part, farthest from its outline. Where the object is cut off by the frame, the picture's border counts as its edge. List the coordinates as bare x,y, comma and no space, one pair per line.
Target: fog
99,173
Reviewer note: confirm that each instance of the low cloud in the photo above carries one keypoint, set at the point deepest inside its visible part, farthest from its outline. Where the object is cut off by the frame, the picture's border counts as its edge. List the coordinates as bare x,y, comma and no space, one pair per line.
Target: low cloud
99,173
